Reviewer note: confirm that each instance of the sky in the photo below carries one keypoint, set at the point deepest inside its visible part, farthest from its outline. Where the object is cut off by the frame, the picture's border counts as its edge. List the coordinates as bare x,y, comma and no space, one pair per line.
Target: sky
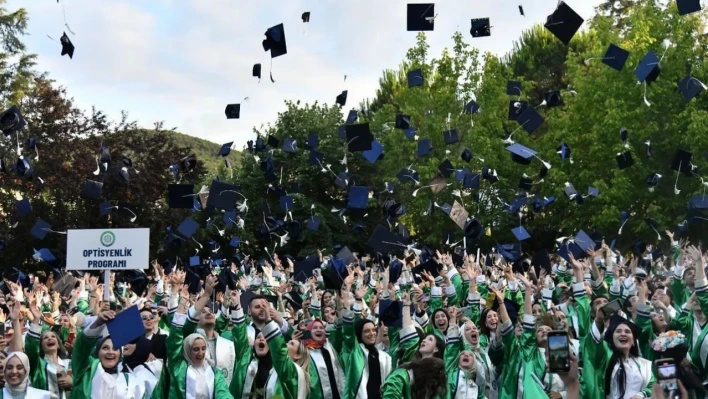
182,61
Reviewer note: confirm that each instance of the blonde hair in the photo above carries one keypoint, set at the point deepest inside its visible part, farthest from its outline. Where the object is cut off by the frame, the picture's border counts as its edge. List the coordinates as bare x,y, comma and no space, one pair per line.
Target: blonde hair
304,363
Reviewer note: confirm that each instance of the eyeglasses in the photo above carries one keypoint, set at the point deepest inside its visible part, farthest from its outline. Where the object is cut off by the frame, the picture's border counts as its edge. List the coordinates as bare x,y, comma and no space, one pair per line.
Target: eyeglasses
146,317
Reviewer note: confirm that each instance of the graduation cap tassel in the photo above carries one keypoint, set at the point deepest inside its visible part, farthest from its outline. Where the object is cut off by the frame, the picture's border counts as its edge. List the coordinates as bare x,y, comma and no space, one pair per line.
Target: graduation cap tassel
699,82
415,192
587,60
546,164
221,232
40,179
200,245
271,70
648,144
53,231
658,236
19,149
646,101
134,218
676,189
63,10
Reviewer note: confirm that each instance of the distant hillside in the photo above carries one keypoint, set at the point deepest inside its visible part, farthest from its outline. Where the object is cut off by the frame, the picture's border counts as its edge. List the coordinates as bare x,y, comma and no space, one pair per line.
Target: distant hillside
205,150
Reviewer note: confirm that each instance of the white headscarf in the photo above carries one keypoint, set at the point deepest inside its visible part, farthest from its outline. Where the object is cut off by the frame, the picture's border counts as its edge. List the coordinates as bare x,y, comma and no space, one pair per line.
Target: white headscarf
21,388
187,349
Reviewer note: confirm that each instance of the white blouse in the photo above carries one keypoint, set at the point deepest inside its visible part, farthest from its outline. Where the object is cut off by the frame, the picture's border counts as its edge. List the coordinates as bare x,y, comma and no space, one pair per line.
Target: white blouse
635,380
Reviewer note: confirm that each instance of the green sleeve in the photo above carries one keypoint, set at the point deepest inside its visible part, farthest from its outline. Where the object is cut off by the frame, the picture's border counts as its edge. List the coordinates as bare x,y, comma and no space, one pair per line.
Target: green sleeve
646,337
409,343
527,342
83,306
315,307
370,290
222,322
678,290
81,355
453,345
436,301
174,342
702,294
221,388
348,335
239,335
32,346
190,325
582,309
394,385
334,332
648,390
283,365
394,340
682,322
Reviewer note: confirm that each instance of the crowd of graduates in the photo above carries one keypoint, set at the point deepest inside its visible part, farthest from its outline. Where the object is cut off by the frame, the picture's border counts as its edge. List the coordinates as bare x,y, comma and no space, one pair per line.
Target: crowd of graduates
464,328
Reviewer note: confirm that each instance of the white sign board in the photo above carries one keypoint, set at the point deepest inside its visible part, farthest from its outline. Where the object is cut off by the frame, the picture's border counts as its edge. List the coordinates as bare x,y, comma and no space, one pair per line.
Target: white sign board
108,249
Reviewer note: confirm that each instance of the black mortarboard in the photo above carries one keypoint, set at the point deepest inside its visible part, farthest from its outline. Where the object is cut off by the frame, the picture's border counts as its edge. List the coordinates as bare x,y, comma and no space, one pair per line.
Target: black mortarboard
342,98
395,268
406,175
40,229
257,70
384,241
686,7
699,202
302,270
334,275
471,107
275,41
289,145
521,154
403,122
615,57
193,281
520,233
92,189
530,119
424,147
624,160
313,223
430,266
421,17
294,299
451,136
513,88
516,108
188,228
222,195
23,168
525,183
24,207
690,87
541,260
375,153
358,197
521,11
415,78
553,99
342,180
352,116
480,27
564,22
233,111
67,47
648,69
180,196
359,137
286,203
446,168
390,313
273,141
471,180
225,149
346,255
306,16
11,120
466,155
313,141
682,161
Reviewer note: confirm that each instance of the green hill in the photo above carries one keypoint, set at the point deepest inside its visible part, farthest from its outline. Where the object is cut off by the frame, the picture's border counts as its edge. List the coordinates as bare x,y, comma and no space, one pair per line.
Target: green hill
205,150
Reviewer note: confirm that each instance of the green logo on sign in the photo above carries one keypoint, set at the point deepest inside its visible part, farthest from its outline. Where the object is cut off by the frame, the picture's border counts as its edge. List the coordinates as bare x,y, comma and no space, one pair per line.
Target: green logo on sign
108,238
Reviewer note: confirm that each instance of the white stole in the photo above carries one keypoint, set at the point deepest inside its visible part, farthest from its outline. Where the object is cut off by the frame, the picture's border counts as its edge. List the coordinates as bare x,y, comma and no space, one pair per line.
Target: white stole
225,357
466,389
384,364
191,383
32,393
52,380
248,381
123,389
321,367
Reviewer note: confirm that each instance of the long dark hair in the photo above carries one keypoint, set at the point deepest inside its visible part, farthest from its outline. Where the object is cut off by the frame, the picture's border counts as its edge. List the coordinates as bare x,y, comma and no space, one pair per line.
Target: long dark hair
429,378
483,323
617,358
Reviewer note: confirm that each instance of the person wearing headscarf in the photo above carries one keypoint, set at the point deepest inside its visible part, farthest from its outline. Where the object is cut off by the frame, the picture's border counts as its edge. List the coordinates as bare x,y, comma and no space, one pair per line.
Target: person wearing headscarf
135,361
412,343
291,363
419,379
45,350
191,376
365,368
326,373
95,362
470,371
17,372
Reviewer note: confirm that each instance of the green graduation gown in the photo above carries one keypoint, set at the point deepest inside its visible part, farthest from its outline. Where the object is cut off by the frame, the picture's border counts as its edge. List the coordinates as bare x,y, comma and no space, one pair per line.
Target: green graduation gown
288,381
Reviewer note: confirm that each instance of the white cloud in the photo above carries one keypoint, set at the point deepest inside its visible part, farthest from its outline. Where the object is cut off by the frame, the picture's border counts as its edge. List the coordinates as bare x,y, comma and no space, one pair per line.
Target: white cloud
183,61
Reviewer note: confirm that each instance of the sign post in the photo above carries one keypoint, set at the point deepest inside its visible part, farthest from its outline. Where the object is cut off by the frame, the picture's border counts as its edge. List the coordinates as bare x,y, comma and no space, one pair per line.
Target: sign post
107,249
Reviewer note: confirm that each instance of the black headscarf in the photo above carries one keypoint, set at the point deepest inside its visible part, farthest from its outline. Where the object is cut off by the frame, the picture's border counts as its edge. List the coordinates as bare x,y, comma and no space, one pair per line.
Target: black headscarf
265,363
373,386
140,355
